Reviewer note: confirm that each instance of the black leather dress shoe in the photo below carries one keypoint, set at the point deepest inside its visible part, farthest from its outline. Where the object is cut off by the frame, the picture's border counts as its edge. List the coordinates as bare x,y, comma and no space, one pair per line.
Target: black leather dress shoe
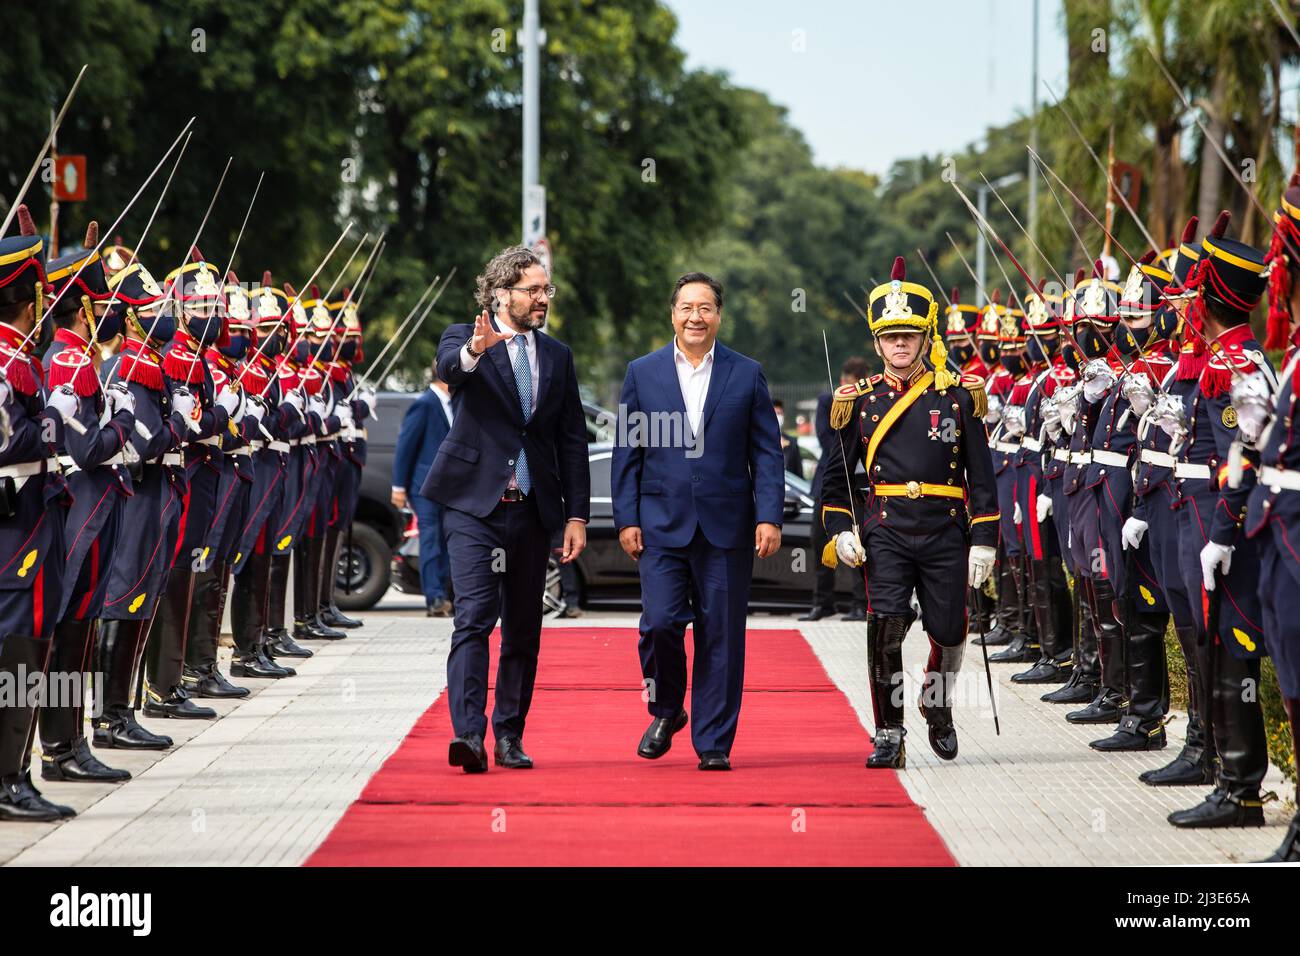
1289,851
658,737
333,617
1045,672
280,643
1188,769
21,802
855,614
998,637
943,735
258,665
890,752
1102,709
714,760
439,609
467,752
77,764
1021,650
1133,734
125,733
1077,690
177,704
311,629
1220,809
816,614
211,683
509,753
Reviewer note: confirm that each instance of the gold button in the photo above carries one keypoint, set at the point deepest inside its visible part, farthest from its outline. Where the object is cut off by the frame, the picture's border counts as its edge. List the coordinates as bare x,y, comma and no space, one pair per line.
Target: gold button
950,481
875,418
952,464
883,516
953,512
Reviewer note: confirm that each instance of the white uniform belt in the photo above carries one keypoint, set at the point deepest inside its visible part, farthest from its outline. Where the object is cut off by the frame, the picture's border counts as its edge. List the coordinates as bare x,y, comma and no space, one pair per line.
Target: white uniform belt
1109,458
256,444
1033,444
1060,454
1080,457
23,470
1277,479
1185,469
70,465
1006,446
169,458
242,450
307,440
1161,458
210,440
280,446
333,437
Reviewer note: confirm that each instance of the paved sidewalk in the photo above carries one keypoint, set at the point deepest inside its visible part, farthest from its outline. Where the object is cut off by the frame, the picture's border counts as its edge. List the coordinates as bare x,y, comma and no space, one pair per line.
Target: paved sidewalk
264,784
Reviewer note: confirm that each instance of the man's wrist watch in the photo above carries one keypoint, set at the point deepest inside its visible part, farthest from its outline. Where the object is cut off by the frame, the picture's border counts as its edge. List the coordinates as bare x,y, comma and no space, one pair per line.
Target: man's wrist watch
470,349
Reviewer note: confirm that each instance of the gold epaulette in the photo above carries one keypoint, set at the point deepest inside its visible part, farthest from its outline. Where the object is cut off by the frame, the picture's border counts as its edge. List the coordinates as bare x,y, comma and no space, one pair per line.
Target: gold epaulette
846,396
975,385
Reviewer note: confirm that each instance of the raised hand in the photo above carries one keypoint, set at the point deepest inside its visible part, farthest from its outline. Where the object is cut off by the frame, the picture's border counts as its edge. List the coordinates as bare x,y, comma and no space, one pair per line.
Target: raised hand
485,336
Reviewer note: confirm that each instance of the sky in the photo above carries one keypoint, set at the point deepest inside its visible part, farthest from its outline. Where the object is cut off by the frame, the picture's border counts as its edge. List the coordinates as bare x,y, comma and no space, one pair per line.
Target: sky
869,82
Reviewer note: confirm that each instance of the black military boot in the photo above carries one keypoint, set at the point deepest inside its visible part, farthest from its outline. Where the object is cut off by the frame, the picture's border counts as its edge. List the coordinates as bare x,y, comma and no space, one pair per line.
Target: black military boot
1238,726
324,568
1024,647
1109,703
248,619
279,642
1004,626
1143,726
936,697
1193,765
885,667
330,615
116,662
306,592
60,720
21,657
201,677
75,763
1052,615
165,651
1086,679
174,702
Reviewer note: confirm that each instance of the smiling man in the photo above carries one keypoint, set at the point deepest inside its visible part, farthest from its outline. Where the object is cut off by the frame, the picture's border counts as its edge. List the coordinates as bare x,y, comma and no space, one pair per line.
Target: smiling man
694,516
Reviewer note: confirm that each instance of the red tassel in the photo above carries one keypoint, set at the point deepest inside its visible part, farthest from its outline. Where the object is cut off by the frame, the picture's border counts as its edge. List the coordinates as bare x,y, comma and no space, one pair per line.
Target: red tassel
312,381
182,365
20,375
288,374
1001,383
338,372
1279,284
1191,365
71,367
1215,381
253,379
142,365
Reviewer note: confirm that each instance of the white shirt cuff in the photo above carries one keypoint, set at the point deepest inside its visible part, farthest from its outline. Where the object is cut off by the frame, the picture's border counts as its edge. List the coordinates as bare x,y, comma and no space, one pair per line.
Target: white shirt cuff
467,361
396,488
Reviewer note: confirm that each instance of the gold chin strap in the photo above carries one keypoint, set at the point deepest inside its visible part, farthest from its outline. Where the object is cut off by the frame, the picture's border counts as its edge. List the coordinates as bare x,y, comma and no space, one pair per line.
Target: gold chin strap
88,310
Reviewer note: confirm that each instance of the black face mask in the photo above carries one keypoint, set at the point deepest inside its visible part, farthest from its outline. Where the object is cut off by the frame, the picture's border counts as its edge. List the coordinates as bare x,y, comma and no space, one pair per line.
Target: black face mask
1165,325
1091,340
989,353
1039,349
1129,341
1071,356
161,328
237,348
300,352
1014,362
348,350
273,346
109,327
207,331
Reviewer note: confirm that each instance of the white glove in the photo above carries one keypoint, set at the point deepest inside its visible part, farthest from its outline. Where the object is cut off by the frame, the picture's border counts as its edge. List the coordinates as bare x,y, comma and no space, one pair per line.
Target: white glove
1252,397
995,411
1044,507
119,398
254,408
316,404
228,399
63,400
1132,532
1016,516
1171,417
1066,401
184,402
4,388
1214,557
849,549
1138,391
1014,421
1098,377
344,413
293,398
980,564
371,400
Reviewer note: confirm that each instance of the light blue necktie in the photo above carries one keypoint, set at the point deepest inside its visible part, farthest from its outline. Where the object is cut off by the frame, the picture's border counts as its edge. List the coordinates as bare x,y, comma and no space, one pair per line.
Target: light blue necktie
524,385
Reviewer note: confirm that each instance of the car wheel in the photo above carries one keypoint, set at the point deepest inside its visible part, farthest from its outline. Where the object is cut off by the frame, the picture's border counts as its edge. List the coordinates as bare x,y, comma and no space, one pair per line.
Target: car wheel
551,600
364,567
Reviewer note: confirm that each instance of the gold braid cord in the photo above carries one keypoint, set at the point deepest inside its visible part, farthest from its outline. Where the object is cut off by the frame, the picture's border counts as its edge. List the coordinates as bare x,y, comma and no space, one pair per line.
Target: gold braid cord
846,397
975,385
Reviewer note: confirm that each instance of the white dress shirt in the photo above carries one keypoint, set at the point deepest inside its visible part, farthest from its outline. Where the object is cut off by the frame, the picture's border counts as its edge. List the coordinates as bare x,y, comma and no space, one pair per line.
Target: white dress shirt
694,382
521,340
445,398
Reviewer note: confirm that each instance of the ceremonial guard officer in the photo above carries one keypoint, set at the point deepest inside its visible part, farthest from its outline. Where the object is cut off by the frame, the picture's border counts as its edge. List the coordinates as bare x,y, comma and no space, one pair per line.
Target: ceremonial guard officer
33,499
94,460
137,575
1218,561
1049,593
931,514
194,294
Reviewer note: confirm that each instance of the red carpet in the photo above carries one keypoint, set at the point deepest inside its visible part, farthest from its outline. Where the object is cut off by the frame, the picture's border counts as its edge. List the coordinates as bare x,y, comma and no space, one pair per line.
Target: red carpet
799,794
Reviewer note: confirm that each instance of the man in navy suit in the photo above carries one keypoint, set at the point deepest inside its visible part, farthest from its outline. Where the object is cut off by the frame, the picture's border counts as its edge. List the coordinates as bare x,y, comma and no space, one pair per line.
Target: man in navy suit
424,426
698,486
510,473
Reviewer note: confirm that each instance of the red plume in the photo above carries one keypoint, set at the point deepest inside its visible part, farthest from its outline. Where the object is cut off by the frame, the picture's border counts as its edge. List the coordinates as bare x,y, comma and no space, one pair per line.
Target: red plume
1221,224
231,277
900,269
288,290
1079,276
347,291
26,227
1189,231
266,278
1148,257
1098,270
955,297
996,297
195,255
117,240
92,235
1295,179
315,291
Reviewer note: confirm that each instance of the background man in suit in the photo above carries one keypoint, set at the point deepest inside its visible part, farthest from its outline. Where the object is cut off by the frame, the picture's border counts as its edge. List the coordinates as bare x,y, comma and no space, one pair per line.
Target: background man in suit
694,510
789,442
424,426
823,596
511,472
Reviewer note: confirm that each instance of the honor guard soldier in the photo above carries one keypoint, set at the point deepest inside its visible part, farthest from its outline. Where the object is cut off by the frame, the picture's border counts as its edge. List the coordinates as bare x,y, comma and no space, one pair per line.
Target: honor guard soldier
94,462
193,294
142,558
1274,503
270,448
201,676
1219,562
1049,593
33,496
1138,602
931,515
1155,518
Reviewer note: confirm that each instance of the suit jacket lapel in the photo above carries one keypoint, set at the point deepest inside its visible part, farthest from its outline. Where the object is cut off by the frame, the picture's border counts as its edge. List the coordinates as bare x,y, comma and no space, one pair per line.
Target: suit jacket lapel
500,356
672,387
717,382
545,366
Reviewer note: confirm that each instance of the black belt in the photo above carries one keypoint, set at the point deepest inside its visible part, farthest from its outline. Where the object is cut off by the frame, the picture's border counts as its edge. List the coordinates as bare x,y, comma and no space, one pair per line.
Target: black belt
512,495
